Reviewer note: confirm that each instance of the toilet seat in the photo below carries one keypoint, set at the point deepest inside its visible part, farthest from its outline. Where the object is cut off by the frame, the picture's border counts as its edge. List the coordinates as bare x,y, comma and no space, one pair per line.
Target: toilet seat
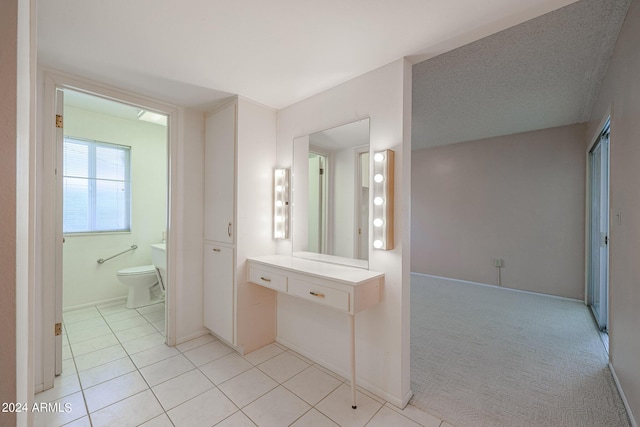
135,271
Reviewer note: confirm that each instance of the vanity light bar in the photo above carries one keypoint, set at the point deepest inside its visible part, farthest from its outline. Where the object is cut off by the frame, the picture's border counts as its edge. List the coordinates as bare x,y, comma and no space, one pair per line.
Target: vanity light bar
281,203
383,162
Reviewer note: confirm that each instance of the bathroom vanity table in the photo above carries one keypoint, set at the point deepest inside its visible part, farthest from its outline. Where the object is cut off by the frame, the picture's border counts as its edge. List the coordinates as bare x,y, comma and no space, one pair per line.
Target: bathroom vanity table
343,288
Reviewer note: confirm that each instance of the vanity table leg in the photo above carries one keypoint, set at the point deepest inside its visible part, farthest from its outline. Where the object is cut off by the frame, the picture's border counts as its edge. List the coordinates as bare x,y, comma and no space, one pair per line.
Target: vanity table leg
352,329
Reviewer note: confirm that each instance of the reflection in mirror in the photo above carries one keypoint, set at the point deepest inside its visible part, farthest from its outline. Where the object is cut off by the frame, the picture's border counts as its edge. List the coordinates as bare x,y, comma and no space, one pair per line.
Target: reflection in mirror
331,195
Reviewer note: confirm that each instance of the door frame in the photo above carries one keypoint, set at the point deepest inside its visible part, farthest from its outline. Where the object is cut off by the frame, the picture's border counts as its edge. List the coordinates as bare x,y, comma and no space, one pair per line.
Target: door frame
51,229
594,139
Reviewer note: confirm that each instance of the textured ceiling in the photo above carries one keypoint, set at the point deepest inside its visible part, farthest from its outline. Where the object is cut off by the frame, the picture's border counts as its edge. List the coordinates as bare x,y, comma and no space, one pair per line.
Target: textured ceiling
276,52
543,73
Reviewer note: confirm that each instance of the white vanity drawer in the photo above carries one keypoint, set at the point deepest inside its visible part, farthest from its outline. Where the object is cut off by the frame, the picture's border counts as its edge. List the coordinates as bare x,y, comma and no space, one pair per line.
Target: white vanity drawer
320,294
268,279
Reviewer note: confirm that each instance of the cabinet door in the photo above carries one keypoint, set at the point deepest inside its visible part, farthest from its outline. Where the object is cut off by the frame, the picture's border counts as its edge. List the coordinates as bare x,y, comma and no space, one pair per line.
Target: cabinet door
218,291
219,175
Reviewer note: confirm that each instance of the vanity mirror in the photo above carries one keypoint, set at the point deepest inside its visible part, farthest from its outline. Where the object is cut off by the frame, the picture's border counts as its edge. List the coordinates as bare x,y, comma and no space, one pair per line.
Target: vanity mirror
330,195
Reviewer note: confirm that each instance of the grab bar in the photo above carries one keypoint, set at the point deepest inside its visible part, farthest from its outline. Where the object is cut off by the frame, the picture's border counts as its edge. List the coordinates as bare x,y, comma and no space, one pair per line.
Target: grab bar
102,260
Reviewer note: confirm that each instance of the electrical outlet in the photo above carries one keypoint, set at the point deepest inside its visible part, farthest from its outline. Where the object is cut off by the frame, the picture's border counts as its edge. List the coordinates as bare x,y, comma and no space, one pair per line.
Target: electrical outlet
498,262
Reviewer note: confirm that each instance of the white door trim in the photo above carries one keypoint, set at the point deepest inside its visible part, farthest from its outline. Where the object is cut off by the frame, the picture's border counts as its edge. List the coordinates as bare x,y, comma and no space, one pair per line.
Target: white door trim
51,237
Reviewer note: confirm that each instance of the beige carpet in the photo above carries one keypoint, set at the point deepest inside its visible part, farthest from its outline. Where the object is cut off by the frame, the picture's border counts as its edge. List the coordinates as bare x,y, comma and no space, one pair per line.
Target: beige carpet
485,356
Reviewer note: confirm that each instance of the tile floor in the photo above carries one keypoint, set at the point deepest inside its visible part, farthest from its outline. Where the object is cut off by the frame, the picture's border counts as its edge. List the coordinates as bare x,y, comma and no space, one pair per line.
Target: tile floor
117,371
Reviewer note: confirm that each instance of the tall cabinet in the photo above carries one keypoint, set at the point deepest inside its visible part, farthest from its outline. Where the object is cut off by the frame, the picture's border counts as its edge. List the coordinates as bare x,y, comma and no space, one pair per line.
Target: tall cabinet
239,155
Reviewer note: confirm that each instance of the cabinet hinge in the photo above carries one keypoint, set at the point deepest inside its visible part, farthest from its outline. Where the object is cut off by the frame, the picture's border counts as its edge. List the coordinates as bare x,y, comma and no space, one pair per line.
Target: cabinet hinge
59,121
58,329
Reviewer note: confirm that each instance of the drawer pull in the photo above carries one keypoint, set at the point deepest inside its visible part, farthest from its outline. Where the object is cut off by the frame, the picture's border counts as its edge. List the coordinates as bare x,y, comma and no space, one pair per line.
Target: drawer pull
265,279
216,250
315,294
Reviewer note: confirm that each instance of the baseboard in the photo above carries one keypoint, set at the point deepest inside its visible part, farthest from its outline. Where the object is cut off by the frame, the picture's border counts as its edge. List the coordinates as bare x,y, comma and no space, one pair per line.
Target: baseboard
405,400
93,304
360,383
500,287
624,398
180,340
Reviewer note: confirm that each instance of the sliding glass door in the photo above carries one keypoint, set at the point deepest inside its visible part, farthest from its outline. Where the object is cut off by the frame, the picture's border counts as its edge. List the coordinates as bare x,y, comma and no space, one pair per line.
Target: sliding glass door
598,286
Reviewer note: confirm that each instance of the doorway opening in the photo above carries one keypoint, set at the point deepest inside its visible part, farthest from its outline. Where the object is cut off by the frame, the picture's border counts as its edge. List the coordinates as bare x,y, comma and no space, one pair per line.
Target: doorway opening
107,199
598,269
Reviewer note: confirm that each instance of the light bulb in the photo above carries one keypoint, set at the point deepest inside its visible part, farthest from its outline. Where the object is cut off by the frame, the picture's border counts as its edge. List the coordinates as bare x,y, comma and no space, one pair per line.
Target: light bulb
378,177
378,201
378,222
279,172
377,244
278,203
279,218
279,188
378,157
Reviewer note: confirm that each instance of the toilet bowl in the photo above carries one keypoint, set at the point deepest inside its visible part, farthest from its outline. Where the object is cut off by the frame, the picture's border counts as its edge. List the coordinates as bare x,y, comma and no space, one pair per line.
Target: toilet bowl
139,280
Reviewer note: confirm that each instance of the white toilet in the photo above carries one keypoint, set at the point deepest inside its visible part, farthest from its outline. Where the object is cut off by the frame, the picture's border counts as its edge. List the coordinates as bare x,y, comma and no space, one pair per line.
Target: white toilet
139,280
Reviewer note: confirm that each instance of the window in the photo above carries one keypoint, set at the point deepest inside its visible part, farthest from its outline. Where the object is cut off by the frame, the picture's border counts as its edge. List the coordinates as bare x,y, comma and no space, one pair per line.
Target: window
96,187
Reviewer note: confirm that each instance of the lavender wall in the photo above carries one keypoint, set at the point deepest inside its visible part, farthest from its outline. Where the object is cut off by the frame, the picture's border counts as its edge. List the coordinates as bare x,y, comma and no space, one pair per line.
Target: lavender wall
8,138
620,95
518,197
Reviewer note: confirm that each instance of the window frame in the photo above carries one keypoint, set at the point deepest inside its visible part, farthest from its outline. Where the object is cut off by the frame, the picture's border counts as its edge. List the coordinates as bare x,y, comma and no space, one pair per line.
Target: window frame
92,181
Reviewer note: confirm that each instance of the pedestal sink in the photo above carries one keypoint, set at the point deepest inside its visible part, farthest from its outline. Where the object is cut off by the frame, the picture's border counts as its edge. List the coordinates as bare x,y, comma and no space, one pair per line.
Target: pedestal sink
159,260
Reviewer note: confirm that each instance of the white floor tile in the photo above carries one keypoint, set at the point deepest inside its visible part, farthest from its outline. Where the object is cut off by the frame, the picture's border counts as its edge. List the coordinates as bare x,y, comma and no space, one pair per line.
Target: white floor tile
153,355
225,368
206,409
68,368
113,307
88,333
129,323
159,421
263,354
93,344
106,372
236,420
72,316
112,391
92,323
314,418
121,315
151,308
312,385
165,370
283,366
196,342
178,390
154,316
387,417
81,422
159,325
277,408
66,352
337,406
62,386
62,411
208,352
131,411
247,387
136,332
144,343
99,357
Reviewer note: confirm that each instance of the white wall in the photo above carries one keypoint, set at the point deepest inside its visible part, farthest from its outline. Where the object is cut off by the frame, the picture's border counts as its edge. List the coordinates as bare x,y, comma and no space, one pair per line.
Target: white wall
86,281
382,333
620,94
187,240
256,153
518,197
